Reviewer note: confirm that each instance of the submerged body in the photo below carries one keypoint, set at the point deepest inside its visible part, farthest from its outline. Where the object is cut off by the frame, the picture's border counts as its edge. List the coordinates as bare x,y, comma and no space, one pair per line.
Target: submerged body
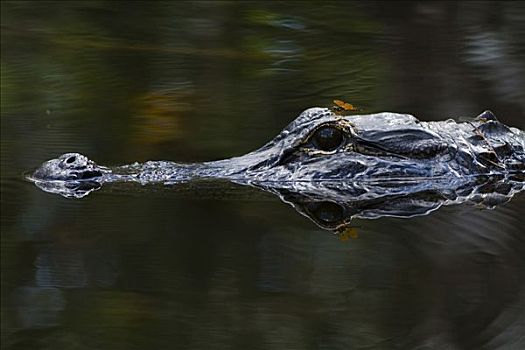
321,152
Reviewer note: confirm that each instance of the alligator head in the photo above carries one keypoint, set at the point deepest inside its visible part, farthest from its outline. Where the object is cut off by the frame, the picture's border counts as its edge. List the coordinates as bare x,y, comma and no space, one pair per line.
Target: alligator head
70,175
320,147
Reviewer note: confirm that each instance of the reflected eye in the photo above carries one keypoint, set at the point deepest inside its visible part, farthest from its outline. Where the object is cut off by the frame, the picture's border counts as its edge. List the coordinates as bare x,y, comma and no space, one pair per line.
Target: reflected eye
326,212
328,138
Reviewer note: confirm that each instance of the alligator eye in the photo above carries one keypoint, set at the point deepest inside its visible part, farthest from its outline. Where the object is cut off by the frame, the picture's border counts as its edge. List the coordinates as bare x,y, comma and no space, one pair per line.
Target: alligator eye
71,160
328,138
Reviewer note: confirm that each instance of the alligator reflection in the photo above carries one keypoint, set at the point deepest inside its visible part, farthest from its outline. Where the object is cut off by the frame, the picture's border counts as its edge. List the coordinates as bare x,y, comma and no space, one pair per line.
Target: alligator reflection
332,205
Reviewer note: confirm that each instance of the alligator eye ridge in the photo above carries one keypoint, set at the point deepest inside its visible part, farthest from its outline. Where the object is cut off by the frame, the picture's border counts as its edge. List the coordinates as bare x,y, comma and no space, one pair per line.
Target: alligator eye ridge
328,138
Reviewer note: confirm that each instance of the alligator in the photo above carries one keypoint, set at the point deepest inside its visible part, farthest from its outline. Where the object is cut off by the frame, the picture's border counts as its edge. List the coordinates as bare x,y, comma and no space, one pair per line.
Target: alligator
328,156
333,206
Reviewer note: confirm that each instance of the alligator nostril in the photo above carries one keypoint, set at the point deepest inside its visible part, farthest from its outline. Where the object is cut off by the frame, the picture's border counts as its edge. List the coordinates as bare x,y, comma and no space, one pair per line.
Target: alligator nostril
71,160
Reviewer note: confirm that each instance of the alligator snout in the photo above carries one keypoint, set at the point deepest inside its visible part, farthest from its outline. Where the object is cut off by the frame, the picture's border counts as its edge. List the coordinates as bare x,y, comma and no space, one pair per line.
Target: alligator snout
69,166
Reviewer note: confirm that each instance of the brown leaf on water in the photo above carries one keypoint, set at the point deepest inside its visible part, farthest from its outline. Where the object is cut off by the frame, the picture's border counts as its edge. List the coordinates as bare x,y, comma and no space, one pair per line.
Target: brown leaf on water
345,106
347,232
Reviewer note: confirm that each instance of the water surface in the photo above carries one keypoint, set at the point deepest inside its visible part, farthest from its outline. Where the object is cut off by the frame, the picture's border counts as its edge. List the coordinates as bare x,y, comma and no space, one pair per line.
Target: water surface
161,268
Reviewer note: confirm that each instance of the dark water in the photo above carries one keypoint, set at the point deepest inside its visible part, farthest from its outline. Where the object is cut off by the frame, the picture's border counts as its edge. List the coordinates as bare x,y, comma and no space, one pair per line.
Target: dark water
238,269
